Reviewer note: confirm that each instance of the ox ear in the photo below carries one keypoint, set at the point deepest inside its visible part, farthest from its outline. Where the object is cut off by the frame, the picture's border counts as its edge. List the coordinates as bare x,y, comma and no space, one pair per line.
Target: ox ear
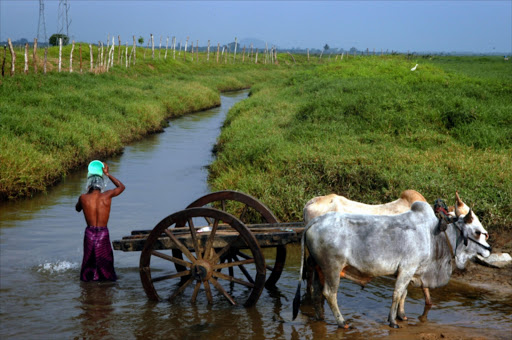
468,219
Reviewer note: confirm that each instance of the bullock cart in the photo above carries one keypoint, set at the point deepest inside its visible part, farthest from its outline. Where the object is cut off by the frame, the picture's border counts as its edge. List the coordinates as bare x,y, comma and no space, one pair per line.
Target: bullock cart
218,241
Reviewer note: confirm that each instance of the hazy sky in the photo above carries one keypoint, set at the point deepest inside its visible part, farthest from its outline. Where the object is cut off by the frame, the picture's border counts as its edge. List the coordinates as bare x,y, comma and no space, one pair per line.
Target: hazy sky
477,26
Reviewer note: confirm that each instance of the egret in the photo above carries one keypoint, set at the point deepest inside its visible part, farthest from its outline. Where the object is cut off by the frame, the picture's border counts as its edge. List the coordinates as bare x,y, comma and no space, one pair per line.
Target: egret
414,68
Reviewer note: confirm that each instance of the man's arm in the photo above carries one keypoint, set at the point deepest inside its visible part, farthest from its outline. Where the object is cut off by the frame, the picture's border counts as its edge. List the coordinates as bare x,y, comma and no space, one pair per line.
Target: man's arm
119,186
78,206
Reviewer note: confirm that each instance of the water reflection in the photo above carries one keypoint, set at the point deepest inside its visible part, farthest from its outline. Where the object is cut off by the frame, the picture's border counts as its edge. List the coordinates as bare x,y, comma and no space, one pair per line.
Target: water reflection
97,306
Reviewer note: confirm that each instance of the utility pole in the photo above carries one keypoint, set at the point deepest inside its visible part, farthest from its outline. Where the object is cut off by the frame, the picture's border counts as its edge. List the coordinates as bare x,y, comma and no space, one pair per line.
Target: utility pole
63,18
41,27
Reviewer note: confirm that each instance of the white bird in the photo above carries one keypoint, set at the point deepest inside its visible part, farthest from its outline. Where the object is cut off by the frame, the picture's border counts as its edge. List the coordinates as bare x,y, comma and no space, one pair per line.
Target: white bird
414,68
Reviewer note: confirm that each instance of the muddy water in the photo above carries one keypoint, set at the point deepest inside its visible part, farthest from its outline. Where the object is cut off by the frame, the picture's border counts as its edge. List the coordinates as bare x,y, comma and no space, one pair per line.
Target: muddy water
41,250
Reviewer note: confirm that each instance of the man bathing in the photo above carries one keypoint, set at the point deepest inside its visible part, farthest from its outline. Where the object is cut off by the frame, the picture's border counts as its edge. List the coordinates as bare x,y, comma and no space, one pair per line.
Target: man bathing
98,261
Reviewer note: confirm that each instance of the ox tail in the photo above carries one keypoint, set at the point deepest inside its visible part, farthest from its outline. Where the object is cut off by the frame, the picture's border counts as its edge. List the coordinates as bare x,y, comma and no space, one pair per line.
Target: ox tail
296,299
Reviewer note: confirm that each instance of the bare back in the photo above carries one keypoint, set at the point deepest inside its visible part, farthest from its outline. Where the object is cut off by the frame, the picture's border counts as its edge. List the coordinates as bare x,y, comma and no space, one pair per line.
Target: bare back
96,206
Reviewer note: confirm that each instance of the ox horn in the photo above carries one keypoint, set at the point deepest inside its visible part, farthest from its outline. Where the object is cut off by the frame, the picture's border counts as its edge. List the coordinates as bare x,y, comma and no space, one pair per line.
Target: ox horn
468,219
460,207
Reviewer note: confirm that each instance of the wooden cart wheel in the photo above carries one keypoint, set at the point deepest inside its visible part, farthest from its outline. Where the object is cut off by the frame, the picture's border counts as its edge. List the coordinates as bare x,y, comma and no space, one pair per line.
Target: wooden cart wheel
250,211
204,254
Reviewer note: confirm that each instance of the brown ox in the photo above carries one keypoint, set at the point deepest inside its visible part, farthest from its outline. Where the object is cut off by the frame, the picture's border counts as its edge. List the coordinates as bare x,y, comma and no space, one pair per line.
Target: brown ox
323,204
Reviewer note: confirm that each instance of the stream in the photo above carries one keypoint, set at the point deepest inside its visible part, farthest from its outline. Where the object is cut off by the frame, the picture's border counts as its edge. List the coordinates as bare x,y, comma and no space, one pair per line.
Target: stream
41,247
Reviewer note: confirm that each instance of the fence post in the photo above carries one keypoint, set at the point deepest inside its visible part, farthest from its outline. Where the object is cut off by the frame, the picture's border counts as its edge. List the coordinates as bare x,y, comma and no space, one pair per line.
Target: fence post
160,48
119,52
126,55
3,61
166,47
90,56
185,51
243,55
234,54
192,49
218,49
45,59
80,49
60,54
35,55
113,53
266,52
174,47
71,57
134,51
100,55
152,47
197,50
256,57
208,52
26,59
250,55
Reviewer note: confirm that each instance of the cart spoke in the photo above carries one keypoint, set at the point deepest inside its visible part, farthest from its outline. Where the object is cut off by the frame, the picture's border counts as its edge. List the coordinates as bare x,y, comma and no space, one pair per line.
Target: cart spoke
230,268
242,215
196,290
245,256
223,205
242,268
218,286
172,276
208,291
181,288
180,245
225,249
232,264
209,242
232,279
171,258
193,233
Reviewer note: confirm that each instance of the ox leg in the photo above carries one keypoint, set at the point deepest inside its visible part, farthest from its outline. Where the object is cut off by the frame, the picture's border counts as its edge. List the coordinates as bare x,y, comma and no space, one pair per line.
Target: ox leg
332,282
426,292
317,296
402,281
401,307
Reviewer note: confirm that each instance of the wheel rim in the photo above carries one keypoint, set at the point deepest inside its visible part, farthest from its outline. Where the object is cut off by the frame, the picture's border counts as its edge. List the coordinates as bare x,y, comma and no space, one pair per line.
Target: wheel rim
205,255
248,211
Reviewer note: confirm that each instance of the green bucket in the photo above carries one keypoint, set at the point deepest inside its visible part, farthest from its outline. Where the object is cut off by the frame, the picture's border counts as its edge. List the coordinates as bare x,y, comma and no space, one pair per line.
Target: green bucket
95,168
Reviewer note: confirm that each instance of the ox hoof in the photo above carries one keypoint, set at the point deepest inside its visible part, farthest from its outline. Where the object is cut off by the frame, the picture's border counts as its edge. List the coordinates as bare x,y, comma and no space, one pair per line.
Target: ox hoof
393,325
402,317
344,325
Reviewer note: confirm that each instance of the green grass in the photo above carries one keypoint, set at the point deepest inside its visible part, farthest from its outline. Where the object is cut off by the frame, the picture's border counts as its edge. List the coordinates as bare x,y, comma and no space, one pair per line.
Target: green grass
365,127
369,128
50,124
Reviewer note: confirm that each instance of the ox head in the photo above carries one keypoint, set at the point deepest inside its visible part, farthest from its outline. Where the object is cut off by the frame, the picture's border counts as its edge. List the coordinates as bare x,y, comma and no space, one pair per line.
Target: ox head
472,238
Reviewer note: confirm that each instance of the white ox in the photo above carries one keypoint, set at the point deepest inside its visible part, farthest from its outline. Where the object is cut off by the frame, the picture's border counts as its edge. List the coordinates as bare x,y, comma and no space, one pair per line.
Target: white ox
322,204
414,246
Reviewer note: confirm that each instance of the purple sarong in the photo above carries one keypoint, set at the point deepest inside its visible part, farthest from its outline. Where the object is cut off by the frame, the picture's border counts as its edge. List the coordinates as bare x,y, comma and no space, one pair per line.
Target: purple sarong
98,262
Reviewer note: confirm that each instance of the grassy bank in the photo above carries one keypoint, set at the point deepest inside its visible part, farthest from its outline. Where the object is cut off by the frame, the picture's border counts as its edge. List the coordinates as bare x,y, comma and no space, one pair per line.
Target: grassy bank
369,128
50,124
